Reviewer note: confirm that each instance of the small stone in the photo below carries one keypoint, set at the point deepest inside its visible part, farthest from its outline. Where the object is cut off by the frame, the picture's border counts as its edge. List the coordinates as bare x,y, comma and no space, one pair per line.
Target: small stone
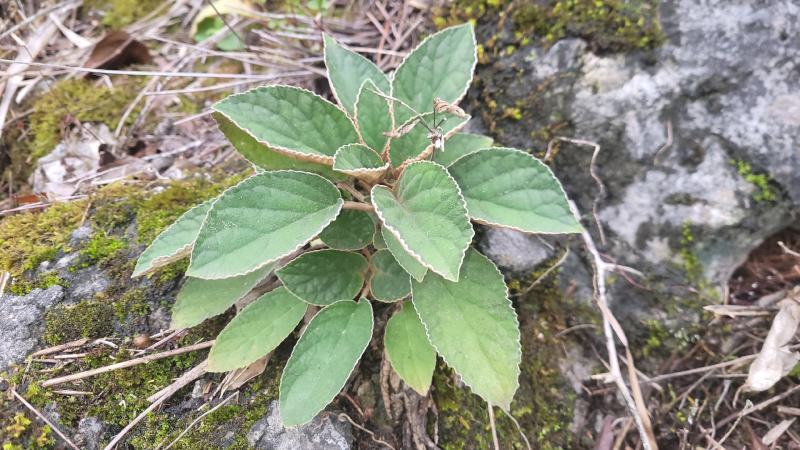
142,341
90,433
81,235
513,250
322,433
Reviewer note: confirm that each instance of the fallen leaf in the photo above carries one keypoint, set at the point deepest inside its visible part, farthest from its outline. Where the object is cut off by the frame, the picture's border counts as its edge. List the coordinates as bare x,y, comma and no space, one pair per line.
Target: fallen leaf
775,360
57,174
116,50
776,432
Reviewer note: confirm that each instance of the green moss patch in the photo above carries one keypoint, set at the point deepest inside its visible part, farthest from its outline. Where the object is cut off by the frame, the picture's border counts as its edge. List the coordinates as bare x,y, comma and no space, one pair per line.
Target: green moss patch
119,13
77,99
87,319
607,25
28,239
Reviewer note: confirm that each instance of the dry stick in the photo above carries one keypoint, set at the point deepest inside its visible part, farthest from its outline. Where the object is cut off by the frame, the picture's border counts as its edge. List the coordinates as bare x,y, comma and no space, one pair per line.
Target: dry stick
634,402
66,6
358,206
197,420
546,273
129,363
25,57
592,171
759,406
181,382
493,426
41,416
150,73
370,433
61,348
519,428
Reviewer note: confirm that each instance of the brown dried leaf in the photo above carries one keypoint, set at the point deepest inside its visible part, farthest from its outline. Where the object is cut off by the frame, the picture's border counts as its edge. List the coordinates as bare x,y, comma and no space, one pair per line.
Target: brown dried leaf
118,49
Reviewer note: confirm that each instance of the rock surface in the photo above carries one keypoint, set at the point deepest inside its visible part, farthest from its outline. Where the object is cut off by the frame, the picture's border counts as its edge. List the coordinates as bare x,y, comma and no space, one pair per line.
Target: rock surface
676,128
22,322
323,433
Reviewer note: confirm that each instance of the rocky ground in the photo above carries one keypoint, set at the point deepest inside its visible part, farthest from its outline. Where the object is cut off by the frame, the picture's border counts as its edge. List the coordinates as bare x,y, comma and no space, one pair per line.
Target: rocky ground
694,106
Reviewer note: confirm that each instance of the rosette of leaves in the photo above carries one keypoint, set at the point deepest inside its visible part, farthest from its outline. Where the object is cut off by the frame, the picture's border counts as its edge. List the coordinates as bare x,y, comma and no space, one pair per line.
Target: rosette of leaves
361,203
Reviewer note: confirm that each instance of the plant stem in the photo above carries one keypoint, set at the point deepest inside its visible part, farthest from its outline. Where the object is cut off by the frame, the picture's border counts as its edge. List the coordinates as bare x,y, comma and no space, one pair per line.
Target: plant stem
359,206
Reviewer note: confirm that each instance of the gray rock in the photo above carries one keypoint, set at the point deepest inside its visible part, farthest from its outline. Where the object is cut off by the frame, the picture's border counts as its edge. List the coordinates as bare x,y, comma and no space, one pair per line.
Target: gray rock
725,83
22,322
513,250
90,433
323,433
84,284
80,235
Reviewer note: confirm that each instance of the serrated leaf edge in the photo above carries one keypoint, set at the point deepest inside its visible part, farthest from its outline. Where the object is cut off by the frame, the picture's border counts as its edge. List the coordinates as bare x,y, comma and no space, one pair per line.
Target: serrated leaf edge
363,275
389,356
403,243
340,203
328,75
210,368
372,329
506,408
182,252
474,63
398,261
370,174
321,159
173,326
355,117
549,170
372,276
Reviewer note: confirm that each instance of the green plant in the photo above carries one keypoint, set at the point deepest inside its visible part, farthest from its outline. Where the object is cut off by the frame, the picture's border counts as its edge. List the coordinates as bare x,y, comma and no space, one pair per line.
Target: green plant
368,200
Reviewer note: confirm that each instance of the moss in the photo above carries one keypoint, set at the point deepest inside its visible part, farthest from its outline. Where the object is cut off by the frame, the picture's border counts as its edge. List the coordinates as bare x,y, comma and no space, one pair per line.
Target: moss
119,13
236,418
87,319
691,263
43,281
132,302
28,239
761,181
77,99
100,248
607,25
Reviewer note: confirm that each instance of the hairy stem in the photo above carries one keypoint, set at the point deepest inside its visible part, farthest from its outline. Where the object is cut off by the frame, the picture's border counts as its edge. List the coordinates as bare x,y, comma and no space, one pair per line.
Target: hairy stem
359,206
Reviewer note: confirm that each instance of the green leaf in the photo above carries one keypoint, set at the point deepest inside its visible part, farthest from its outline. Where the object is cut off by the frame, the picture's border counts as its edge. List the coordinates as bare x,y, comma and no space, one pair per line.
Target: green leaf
347,70
264,157
389,281
440,67
461,144
359,161
379,243
256,330
373,117
323,359
175,242
408,262
262,219
352,230
426,213
472,324
200,299
510,188
408,349
325,276
416,144
290,120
